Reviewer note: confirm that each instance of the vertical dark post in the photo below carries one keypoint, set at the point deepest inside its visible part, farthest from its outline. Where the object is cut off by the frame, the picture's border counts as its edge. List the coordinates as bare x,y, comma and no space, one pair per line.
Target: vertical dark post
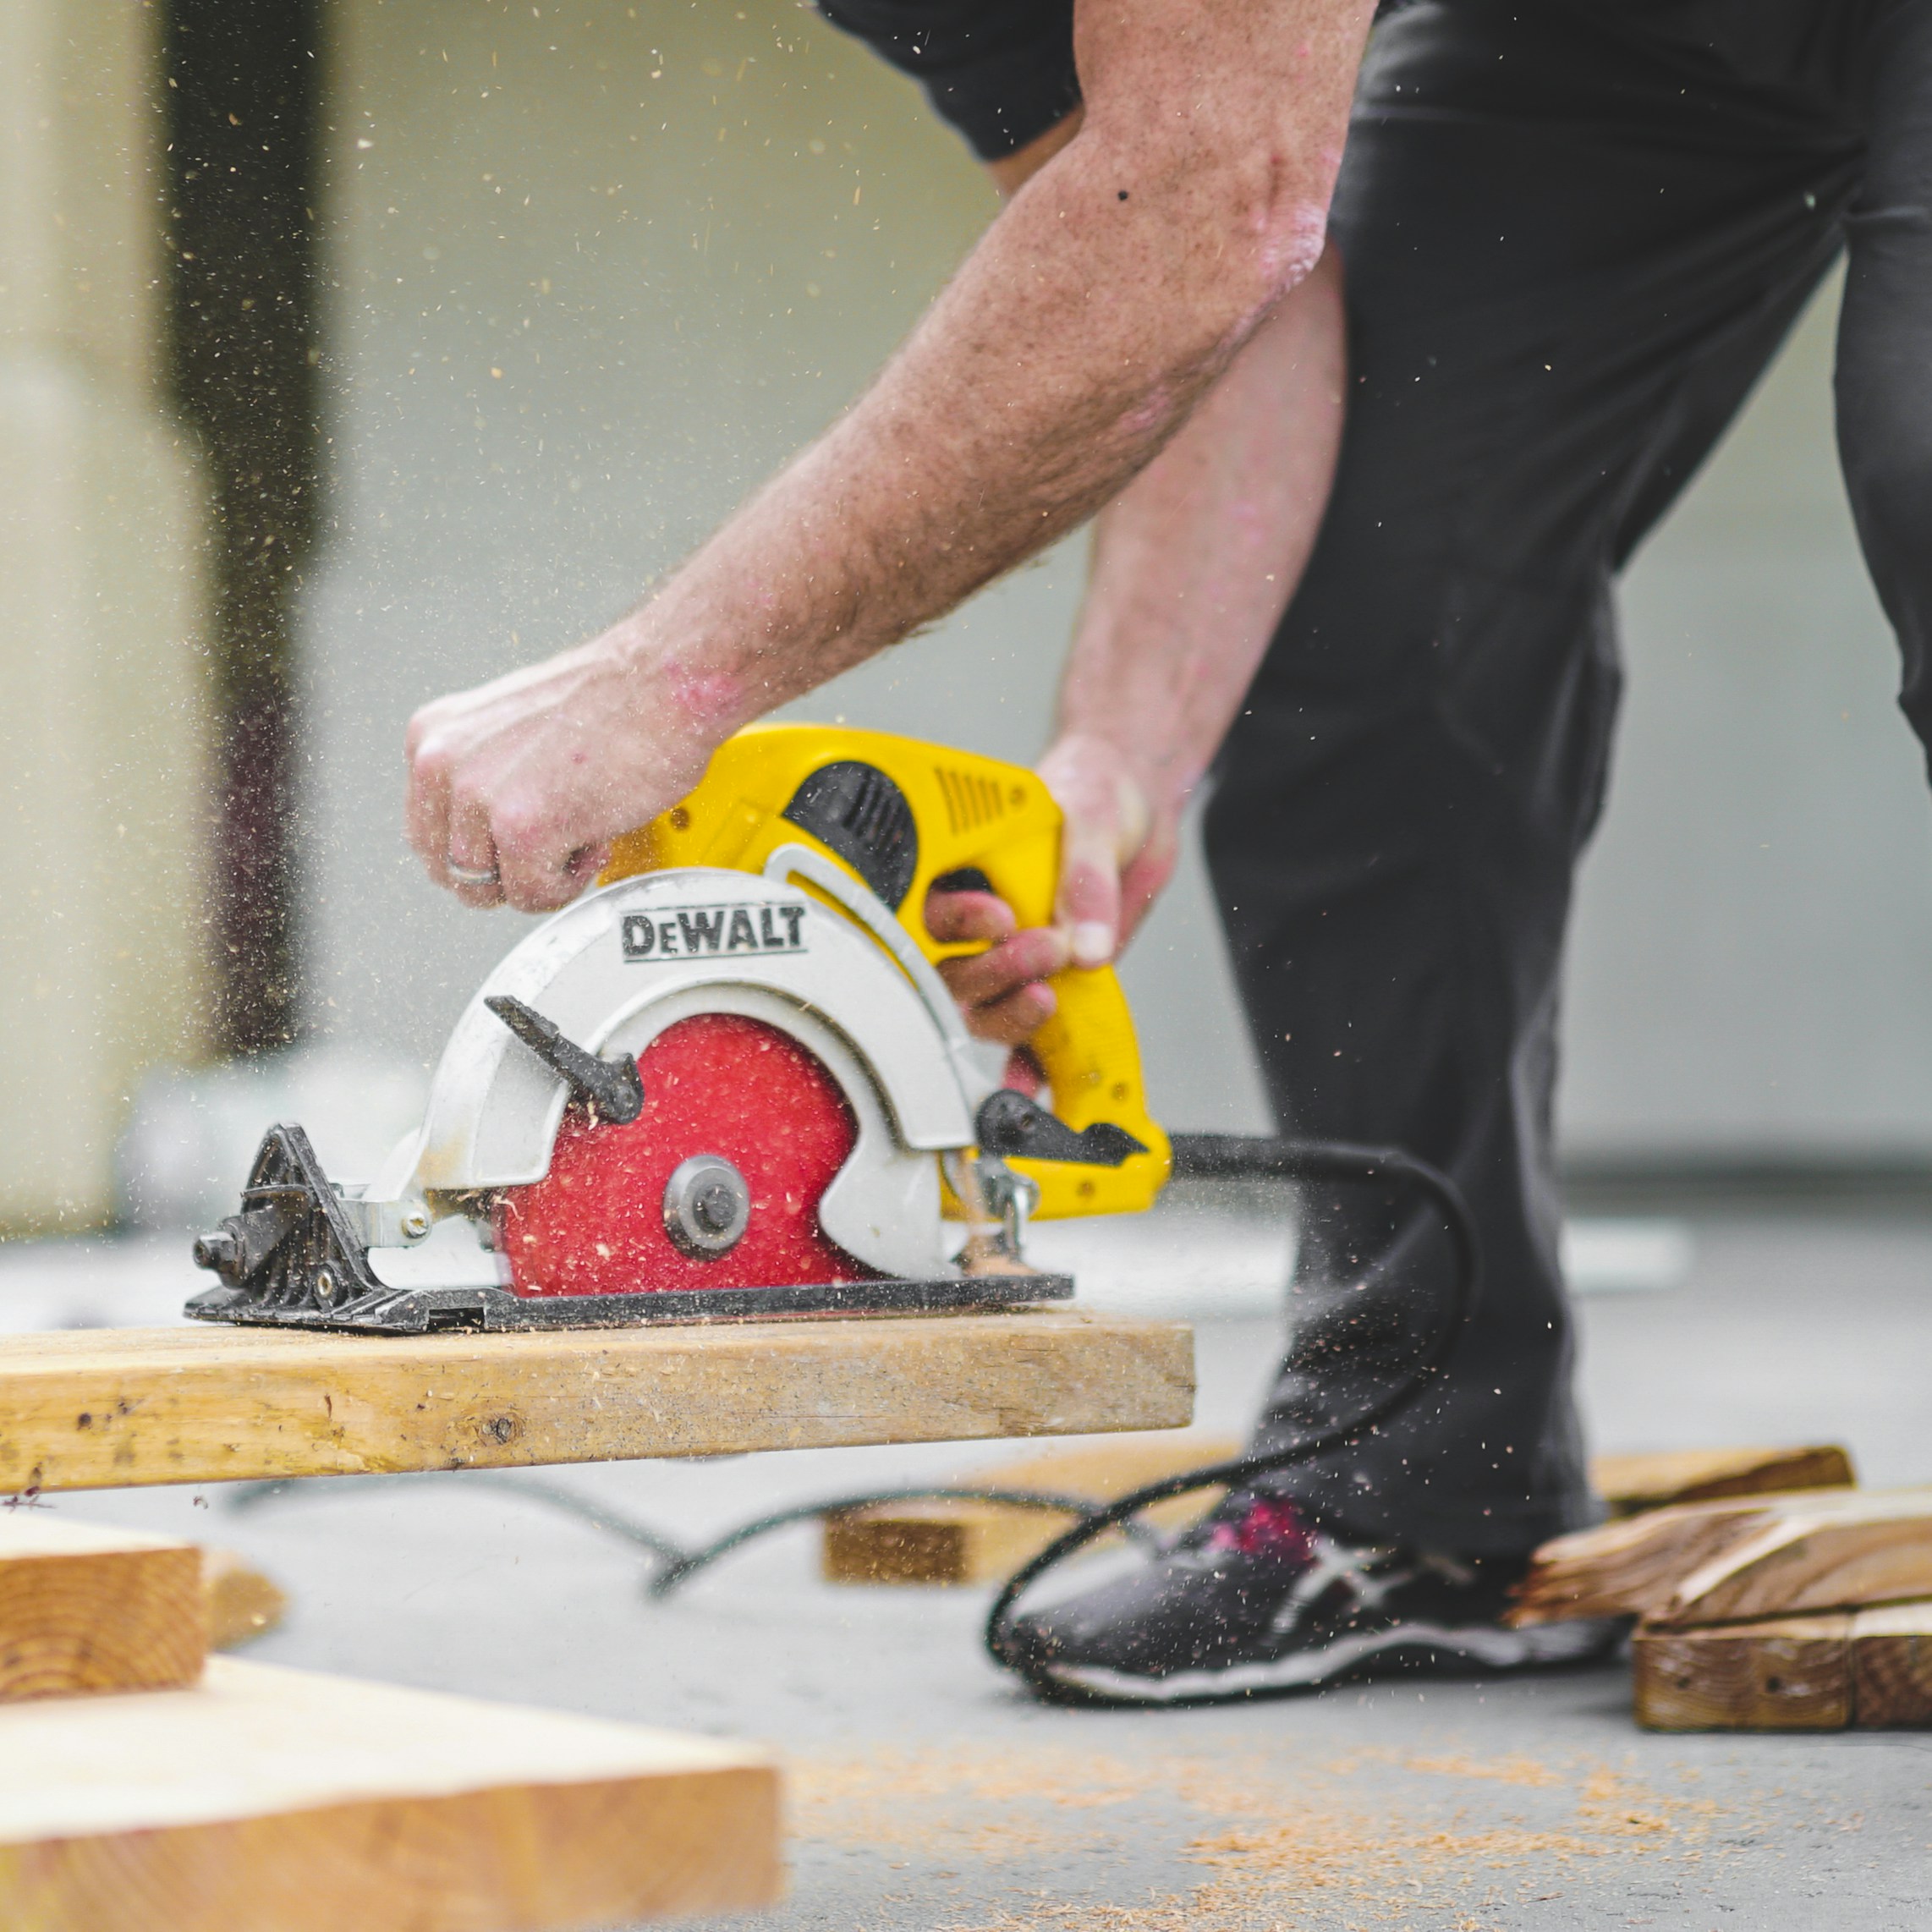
243,89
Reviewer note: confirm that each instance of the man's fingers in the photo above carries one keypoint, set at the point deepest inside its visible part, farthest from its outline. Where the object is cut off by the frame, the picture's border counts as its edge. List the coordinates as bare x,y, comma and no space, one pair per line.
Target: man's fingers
1087,909
1014,1020
538,873
586,864
954,917
981,977
469,863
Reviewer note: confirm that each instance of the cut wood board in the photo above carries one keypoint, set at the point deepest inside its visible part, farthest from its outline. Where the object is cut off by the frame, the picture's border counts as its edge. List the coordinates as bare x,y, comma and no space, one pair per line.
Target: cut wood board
1718,1562
1871,1668
1631,1484
105,1407
86,1609
268,1800
945,1541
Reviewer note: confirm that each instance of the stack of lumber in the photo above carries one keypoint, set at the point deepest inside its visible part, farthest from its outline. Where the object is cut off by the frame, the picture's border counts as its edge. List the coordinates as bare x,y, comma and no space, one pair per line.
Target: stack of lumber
143,1785
945,1540
1808,1610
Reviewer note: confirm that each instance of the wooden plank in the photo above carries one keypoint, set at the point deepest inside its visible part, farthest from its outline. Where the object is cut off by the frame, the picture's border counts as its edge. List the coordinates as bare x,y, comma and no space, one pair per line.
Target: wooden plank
86,1609
1629,1484
1812,1559
1891,1665
105,1407
1871,1667
942,1541
242,1604
1717,1562
1786,1674
268,1800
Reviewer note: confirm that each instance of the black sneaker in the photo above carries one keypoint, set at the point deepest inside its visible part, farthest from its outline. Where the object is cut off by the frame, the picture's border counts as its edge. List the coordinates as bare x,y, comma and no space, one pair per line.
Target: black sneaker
1257,1598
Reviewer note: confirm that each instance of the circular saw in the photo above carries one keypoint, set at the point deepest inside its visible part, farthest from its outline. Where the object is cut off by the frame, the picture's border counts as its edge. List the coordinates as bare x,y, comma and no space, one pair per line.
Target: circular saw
730,1082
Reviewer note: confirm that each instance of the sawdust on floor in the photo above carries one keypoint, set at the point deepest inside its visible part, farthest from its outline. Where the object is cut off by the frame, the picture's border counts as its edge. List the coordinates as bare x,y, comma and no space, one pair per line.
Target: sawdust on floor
1277,1849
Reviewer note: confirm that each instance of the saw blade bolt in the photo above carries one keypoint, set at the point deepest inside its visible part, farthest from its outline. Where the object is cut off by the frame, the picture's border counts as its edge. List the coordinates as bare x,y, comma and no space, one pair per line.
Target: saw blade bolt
707,1206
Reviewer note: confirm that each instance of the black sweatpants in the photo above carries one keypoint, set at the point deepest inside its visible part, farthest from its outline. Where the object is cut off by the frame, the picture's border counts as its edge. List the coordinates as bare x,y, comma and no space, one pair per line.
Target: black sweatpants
1574,232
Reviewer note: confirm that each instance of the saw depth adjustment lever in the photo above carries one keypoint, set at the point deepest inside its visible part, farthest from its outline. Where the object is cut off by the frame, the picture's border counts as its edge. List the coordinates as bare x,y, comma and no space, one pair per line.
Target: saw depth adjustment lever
1008,1122
613,1089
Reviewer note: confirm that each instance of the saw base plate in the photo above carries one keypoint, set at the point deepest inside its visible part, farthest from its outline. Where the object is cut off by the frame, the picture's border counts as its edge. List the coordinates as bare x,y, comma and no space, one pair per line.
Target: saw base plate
420,1311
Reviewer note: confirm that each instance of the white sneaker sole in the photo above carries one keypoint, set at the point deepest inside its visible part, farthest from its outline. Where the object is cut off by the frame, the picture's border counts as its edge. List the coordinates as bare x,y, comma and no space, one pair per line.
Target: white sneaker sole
1484,1646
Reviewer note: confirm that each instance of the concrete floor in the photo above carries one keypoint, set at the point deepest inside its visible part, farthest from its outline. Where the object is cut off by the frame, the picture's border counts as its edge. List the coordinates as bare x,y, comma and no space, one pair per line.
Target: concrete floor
927,1795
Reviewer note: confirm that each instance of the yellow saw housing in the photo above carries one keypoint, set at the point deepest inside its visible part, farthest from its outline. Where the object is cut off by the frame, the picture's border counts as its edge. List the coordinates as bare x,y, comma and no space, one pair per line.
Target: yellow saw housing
967,813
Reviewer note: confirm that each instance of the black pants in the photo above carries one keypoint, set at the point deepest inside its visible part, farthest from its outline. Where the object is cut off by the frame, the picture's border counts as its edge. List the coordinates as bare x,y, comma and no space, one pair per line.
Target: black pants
1574,231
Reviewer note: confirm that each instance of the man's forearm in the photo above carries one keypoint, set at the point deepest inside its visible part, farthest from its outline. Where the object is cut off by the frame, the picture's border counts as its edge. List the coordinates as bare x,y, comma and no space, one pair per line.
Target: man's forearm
1108,298
1193,565
1195,561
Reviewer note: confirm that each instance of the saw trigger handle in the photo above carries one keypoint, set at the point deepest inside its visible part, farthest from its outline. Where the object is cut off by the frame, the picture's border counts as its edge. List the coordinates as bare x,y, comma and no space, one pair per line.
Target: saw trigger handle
1009,1123
614,1088
899,815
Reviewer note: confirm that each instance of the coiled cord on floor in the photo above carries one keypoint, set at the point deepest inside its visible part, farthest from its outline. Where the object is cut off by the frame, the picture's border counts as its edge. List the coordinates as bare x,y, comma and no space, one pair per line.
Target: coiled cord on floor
1197,1156
1223,1157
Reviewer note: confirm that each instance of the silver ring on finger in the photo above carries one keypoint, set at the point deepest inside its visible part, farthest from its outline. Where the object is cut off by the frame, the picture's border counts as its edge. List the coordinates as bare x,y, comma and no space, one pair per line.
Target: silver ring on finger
477,876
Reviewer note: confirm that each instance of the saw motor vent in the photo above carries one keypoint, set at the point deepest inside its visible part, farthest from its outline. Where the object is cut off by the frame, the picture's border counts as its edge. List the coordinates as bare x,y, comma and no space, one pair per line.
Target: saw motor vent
861,814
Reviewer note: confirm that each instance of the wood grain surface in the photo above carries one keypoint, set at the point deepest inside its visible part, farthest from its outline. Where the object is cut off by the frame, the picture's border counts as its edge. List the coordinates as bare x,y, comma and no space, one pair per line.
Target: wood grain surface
1630,1484
86,1609
1714,1562
269,1800
1788,1674
108,1407
1871,1668
1891,1665
1814,1558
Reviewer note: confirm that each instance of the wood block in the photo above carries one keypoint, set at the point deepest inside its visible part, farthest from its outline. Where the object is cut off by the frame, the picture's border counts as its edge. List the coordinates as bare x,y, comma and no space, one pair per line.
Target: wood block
1891,1665
1731,1561
105,1407
1629,1484
1811,1558
266,1800
1871,1667
943,1541
86,1609
241,1603
1785,1674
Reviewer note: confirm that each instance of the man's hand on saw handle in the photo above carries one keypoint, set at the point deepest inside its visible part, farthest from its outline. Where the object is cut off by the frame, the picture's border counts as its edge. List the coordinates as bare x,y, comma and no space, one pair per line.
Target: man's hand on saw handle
1193,565
1116,853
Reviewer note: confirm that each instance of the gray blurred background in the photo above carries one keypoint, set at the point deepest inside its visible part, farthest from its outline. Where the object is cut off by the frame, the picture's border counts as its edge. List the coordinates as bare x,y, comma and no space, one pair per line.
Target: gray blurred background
583,274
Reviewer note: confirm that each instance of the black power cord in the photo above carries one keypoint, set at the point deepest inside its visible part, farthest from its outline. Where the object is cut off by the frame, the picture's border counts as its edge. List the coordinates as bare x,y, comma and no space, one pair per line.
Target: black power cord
1197,1156
678,1562
1227,1157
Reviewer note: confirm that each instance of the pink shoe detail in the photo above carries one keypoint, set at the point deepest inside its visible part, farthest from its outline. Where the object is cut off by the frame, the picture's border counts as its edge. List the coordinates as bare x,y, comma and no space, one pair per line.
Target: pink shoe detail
1271,1528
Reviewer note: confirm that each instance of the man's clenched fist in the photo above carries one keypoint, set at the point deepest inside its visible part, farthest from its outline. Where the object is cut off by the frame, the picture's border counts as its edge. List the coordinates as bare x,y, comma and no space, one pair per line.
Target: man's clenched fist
517,788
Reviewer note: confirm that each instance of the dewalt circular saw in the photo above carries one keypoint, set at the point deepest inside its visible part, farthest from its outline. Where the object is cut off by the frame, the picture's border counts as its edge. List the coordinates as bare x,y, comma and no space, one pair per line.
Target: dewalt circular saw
729,1082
